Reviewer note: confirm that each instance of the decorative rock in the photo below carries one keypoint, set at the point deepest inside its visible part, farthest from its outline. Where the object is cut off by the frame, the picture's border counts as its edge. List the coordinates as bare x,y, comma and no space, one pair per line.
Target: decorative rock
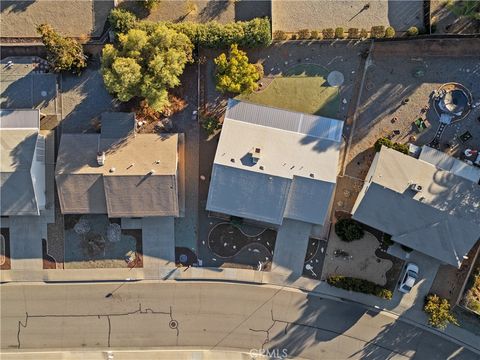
114,232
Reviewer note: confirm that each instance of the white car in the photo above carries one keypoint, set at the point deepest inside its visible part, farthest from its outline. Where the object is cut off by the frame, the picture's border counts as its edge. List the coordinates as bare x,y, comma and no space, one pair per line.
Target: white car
409,278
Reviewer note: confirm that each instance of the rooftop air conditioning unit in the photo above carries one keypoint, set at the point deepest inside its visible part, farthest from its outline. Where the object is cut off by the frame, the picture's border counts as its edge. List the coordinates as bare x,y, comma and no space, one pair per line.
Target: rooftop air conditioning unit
256,152
416,187
101,158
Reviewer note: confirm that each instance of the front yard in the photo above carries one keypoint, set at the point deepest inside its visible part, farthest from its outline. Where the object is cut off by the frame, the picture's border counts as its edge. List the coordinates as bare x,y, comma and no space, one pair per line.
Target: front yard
95,241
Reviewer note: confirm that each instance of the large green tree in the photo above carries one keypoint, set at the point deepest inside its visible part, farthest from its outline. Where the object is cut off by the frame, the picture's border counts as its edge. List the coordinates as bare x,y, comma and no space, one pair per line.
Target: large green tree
235,74
64,54
146,62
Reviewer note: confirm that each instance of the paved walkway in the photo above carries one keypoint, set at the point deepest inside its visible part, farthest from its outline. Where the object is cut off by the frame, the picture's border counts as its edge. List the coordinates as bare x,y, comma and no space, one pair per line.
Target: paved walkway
158,241
291,247
26,242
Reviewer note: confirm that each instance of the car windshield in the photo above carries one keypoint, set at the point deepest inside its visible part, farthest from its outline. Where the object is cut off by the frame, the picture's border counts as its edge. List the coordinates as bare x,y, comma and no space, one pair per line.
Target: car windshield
405,286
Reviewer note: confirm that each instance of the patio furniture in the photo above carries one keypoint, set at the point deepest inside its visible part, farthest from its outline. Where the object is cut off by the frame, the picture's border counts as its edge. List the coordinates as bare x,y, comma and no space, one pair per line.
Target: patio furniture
422,124
465,137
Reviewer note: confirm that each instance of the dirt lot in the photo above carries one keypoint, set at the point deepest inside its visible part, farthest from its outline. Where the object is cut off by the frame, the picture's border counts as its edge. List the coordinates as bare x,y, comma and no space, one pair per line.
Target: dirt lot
72,18
296,15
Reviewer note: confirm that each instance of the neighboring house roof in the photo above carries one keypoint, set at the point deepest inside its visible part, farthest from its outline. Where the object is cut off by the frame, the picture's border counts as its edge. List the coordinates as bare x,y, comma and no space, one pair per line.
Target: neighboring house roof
448,163
138,178
296,172
442,220
18,137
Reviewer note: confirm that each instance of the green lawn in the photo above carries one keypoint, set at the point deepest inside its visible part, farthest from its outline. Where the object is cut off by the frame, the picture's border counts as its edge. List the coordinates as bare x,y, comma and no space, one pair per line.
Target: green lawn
303,88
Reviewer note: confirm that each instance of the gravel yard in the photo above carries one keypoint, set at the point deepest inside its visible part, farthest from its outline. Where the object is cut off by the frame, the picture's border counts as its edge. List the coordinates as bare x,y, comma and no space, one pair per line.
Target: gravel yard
383,110
72,18
317,15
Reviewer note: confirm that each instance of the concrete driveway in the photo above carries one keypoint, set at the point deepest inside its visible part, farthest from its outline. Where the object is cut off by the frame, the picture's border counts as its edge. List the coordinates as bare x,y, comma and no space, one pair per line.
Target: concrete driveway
26,242
291,247
158,241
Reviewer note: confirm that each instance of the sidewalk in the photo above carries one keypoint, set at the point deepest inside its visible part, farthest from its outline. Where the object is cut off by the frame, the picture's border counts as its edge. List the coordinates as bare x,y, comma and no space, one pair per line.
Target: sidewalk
413,315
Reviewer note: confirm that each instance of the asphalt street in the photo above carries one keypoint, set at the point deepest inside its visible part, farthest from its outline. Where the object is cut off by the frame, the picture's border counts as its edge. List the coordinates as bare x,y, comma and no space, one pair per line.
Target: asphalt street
211,316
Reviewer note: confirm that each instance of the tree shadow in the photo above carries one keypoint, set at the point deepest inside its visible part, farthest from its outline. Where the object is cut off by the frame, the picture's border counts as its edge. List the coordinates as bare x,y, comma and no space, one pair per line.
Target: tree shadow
213,9
247,10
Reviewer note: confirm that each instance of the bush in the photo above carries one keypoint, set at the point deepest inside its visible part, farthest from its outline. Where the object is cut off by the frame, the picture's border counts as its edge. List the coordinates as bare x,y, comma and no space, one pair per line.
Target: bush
439,312
389,32
210,124
359,285
348,230
364,34
353,33
121,20
339,33
387,240
472,297
328,33
403,148
303,34
253,33
315,35
280,35
64,54
377,32
413,31
293,37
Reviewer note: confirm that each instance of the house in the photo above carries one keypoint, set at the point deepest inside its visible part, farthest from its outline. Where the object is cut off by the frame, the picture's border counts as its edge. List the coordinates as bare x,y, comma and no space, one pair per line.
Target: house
428,204
273,164
22,163
119,172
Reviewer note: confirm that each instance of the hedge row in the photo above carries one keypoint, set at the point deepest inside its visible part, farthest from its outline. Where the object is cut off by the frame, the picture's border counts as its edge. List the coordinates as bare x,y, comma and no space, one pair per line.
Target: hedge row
253,33
376,32
359,285
403,148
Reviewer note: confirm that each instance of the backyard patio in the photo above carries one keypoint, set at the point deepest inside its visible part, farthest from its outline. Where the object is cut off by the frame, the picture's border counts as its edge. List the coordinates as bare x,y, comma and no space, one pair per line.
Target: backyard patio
95,241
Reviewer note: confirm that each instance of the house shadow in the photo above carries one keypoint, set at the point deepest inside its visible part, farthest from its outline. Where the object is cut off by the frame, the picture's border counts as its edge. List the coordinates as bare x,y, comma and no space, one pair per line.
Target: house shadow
247,9
14,6
101,10
213,10
405,14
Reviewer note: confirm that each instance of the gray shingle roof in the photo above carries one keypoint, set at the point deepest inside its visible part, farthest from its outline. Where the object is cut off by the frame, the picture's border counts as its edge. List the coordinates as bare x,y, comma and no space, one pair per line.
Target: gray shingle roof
441,221
139,177
295,175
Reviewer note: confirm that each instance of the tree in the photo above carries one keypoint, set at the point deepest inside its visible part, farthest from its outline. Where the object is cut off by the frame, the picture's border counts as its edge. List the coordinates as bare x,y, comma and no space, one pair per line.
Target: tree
235,74
64,54
439,313
122,20
348,230
146,62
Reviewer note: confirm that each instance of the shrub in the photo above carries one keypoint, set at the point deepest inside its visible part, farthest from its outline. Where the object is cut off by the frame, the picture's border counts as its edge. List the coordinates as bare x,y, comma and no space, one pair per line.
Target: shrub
328,33
315,35
303,34
387,240
293,37
210,124
364,34
64,54
353,33
377,32
235,74
389,32
348,230
280,35
403,148
339,33
359,285
472,297
439,312
413,31
121,20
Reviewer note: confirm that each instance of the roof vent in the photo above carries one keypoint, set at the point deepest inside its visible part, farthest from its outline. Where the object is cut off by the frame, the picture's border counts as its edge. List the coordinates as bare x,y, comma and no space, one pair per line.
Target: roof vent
112,170
312,175
416,187
152,172
232,160
256,152
261,167
157,162
101,158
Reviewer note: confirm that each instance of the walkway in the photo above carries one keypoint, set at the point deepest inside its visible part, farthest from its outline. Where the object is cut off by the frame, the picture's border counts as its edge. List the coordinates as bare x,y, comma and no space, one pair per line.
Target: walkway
291,247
